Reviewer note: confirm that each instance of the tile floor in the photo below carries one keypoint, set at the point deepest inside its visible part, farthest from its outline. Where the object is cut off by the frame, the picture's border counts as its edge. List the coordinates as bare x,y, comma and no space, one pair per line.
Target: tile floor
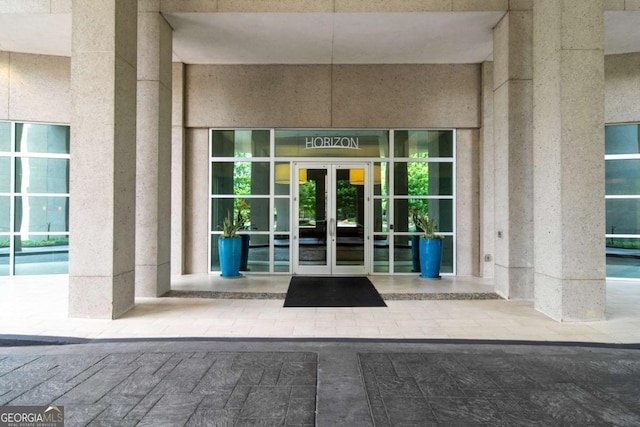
38,306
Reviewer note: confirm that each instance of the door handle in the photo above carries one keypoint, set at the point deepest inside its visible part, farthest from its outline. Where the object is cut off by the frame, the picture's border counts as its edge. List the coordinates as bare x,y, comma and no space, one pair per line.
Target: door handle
332,227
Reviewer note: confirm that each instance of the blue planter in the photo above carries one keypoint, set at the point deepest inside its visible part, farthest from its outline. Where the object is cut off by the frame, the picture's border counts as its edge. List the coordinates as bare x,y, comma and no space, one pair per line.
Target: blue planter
430,258
230,250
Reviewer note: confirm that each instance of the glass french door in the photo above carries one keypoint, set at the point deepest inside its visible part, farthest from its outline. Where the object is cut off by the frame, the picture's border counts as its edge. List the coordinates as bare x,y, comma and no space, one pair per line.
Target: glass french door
331,218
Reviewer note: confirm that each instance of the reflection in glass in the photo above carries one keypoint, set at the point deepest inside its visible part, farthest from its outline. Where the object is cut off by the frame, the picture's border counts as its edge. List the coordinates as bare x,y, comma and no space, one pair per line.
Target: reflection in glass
403,255
4,255
5,137
38,138
623,216
312,218
240,178
381,254
623,177
41,214
41,254
423,143
423,178
5,214
381,179
283,178
350,216
37,175
5,174
622,139
380,218
240,143
258,253
439,209
623,257
253,212
281,217
282,252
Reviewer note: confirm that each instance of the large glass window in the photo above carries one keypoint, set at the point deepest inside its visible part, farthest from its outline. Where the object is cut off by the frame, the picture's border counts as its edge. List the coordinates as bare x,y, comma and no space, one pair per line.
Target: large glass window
252,170
622,166
424,177
240,166
34,198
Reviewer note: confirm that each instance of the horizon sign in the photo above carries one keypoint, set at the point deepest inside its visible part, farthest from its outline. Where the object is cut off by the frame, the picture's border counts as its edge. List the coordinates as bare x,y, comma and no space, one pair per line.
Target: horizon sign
319,142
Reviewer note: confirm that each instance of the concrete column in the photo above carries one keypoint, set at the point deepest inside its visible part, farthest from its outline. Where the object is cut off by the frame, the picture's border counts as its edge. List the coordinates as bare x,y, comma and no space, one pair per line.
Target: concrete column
103,141
487,175
513,139
153,177
177,170
467,192
197,201
569,159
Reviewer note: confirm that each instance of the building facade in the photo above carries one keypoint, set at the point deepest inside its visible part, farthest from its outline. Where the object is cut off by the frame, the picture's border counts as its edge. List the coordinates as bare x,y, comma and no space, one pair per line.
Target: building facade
506,151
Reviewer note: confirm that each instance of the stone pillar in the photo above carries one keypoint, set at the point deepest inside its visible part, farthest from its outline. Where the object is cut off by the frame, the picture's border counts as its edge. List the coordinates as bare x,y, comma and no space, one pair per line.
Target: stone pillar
487,175
103,153
197,200
153,177
513,133
177,170
467,218
569,159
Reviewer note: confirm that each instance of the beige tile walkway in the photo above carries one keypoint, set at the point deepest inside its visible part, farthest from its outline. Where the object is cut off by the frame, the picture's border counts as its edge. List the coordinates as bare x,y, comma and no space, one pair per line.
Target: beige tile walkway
38,306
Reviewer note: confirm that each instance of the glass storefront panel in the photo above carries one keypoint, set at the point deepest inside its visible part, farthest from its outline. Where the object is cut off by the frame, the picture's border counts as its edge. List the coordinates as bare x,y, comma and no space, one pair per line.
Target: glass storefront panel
623,257
253,212
623,216
41,254
39,138
380,216
423,178
282,253
281,215
41,214
381,179
283,178
423,143
407,254
38,175
5,174
37,226
4,254
415,183
240,143
5,137
439,209
403,254
332,143
258,253
240,178
622,139
623,177
381,254
5,214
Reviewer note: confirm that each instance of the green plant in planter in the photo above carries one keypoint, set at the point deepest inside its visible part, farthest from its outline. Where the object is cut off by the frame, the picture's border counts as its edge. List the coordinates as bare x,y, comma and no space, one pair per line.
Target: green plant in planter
430,247
230,226
427,225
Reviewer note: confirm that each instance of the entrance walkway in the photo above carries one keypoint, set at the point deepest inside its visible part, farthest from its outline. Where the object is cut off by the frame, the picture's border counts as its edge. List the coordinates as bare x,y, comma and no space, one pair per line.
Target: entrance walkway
194,361
38,306
307,383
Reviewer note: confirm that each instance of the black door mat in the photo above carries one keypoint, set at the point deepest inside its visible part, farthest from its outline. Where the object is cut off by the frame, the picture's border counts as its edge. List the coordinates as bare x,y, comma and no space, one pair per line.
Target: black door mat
327,291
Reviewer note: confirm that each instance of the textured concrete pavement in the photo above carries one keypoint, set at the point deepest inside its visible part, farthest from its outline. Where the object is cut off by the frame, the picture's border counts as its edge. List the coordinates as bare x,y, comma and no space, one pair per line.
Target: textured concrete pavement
325,382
